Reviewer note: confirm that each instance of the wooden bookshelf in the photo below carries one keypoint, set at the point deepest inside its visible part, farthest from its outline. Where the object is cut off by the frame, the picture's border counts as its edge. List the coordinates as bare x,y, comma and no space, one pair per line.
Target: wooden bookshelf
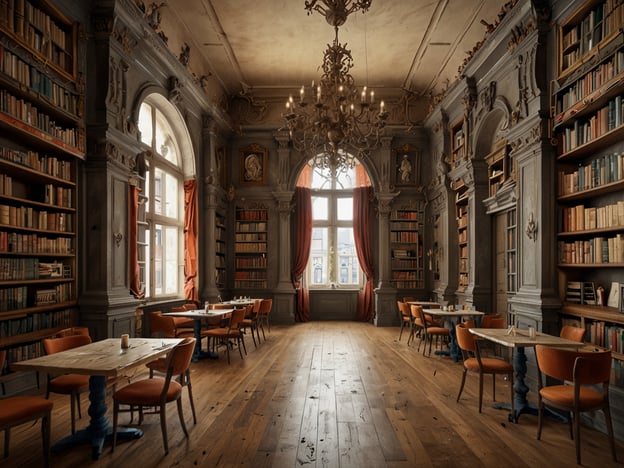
220,251
498,166
588,125
42,140
406,244
250,248
458,143
461,216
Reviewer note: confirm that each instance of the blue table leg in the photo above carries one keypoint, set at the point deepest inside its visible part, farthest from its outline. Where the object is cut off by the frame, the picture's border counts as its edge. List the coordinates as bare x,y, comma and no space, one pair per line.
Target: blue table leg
98,430
454,352
197,352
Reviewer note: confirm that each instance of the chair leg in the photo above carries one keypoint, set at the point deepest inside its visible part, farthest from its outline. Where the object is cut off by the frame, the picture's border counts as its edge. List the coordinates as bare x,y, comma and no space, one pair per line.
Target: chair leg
480,390
607,414
72,398
241,340
7,437
163,426
461,386
577,436
45,437
190,392
493,387
115,417
540,414
181,416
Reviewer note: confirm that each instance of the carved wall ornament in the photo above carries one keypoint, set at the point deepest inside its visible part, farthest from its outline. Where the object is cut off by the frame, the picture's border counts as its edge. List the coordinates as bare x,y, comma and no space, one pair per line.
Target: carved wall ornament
246,109
185,55
115,155
175,90
531,229
534,135
123,37
520,32
153,16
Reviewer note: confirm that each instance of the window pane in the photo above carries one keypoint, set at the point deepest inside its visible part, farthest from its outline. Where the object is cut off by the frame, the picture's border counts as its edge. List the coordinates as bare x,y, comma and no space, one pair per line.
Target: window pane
158,260
320,209
321,178
145,123
345,209
347,266
158,195
147,192
171,196
318,256
345,179
171,260
148,272
165,144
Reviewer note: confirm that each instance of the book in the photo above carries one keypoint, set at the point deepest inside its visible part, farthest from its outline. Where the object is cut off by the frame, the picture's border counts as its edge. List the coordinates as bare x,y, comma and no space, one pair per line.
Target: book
614,295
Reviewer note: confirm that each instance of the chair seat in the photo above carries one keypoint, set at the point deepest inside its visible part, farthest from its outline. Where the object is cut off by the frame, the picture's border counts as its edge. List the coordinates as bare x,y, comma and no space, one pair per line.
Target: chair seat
147,392
22,408
69,383
437,331
564,395
488,365
181,322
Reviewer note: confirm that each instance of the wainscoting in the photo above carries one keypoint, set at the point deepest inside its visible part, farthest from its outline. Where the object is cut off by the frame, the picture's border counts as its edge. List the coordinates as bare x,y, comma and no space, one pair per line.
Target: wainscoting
333,304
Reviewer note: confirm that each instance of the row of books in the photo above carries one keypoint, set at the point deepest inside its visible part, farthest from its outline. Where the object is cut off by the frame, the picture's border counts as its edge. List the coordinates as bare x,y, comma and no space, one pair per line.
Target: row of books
13,242
250,227
35,322
407,284
15,268
255,247
46,164
585,130
52,194
599,250
39,82
410,237
22,297
403,214
605,335
581,292
605,19
407,275
402,264
250,237
580,218
251,262
590,83
28,217
16,14
27,113
404,253
599,171
250,275
251,215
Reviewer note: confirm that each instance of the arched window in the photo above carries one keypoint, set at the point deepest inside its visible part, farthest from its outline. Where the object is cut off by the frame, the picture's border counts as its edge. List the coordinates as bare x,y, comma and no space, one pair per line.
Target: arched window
333,259
164,182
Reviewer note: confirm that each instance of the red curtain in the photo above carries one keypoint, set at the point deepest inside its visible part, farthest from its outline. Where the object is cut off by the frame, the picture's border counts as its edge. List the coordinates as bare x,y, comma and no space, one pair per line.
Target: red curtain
362,226
133,238
303,239
190,239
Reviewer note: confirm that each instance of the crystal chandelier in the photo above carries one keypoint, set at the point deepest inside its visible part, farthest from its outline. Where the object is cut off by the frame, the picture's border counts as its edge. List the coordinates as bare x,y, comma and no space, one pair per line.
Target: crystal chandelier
333,119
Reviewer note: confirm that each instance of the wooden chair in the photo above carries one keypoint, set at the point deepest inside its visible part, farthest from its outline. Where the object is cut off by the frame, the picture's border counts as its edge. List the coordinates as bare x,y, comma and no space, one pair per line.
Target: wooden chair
582,369
473,361
67,384
231,332
184,379
181,322
429,331
250,322
263,316
18,410
405,317
164,326
157,392
492,321
417,326
572,333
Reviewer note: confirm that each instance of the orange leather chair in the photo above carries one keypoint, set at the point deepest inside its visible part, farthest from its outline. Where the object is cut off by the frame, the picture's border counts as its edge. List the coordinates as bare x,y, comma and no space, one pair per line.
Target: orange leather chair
18,410
156,392
473,361
230,332
582,369
250,322
68,384
165,326
406,317
572,333
428,330
263,316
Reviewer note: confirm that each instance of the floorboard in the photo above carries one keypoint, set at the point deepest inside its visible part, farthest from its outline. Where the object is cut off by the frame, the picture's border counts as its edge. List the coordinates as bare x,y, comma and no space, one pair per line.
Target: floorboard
329,394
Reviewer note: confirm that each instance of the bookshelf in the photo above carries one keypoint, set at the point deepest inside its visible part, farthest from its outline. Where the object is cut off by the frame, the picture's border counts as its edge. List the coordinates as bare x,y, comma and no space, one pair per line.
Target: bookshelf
220,250
458,143
42,140
498,171
461,215
588,125
250,248
406,239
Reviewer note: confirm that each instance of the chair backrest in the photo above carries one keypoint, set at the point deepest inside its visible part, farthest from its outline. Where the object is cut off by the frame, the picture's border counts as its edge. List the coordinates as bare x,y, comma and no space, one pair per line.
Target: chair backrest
180,357
465,339
404,309
161,325
469,323
56,345
219,306
419,316
237,317
265,306
177,309
190,306
486,320
72,331
256,306
586,368
572,333
409,299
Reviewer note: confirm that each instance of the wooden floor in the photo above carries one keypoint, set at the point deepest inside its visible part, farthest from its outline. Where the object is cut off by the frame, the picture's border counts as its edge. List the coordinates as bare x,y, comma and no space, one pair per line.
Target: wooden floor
330,394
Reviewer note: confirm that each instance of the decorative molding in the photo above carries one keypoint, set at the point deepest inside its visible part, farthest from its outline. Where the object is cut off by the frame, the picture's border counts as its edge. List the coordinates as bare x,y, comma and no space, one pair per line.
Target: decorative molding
152,15
248,110
534,135
520,32
175,91
185,55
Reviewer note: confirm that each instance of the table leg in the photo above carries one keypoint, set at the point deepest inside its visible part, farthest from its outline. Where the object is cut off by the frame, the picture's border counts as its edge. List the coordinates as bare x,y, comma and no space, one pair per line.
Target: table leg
197,352
453,351
98,430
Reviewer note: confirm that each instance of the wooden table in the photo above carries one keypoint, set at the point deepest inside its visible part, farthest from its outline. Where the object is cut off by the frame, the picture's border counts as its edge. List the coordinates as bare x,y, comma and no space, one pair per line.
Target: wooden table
452,316
198,315
240,302
426,304
519,341
99,360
